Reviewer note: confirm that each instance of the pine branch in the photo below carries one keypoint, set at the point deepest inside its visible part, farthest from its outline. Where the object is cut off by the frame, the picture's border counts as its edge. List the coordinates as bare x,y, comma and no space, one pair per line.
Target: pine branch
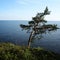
25,26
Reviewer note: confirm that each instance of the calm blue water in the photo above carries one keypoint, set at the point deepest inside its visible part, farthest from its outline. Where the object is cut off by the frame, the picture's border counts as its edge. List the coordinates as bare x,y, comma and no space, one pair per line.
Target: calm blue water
10,31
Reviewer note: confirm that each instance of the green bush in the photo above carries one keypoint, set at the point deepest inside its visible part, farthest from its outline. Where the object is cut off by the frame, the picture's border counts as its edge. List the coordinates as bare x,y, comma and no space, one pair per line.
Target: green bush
10,51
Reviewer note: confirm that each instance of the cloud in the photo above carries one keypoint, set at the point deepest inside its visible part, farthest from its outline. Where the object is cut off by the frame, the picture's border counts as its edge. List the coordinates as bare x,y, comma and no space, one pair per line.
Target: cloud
24,2
21,2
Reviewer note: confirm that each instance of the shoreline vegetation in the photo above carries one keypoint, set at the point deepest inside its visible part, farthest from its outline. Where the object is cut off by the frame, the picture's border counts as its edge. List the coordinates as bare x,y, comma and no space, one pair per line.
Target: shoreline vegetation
9,51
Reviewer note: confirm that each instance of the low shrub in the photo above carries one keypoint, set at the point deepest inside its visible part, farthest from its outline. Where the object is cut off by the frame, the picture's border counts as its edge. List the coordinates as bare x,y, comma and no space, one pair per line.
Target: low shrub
10,51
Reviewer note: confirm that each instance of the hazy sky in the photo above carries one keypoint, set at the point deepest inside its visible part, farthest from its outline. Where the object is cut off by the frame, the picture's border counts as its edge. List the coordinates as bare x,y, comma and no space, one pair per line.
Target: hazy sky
26,9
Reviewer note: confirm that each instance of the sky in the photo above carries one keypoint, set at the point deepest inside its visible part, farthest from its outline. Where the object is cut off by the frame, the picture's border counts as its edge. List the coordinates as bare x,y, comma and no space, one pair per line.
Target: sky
26,9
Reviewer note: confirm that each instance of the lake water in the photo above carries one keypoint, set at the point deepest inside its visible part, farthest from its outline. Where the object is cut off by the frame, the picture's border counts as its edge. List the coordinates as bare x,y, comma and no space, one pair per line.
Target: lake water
10,31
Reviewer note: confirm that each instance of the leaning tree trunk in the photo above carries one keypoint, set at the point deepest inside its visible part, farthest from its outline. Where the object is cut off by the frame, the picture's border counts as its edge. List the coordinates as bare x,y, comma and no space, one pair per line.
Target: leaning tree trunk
32,35
30,39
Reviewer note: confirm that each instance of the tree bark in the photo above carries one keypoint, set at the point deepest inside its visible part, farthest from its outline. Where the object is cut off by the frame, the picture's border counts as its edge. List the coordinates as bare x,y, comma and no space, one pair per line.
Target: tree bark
30,39
31,36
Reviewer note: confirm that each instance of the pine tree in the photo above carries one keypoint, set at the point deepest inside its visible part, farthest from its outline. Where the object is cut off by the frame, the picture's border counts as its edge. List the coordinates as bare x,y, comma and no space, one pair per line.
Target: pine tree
37,26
